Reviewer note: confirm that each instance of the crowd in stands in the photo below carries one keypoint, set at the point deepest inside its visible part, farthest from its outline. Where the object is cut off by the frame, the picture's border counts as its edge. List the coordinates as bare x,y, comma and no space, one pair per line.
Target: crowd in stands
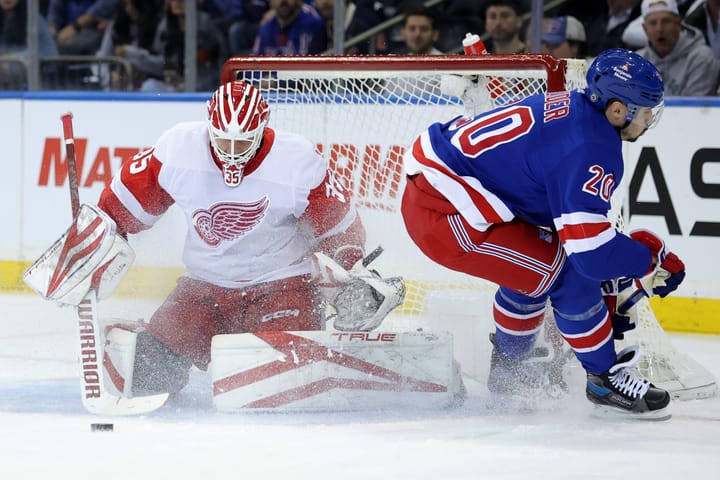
681,37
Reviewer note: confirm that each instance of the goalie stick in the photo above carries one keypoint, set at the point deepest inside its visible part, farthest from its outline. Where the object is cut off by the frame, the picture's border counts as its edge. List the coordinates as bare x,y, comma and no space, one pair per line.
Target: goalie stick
95,397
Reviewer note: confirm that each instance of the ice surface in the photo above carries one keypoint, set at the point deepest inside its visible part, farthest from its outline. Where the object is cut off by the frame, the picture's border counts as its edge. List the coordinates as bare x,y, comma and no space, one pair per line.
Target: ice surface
45,433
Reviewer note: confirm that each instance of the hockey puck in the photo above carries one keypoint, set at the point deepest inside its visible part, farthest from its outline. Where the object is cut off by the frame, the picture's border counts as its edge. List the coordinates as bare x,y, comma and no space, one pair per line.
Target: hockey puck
101,427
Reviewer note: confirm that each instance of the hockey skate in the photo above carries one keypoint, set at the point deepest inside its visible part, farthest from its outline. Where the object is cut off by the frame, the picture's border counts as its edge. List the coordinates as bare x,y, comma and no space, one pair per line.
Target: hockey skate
539,376
621,390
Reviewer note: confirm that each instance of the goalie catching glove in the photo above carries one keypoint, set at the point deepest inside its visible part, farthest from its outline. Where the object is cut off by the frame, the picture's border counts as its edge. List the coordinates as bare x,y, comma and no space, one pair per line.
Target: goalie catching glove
361,297
90,255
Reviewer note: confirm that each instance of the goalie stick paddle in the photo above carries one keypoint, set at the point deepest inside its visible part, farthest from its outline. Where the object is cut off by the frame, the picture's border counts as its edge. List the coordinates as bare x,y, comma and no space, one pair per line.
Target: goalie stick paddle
95,397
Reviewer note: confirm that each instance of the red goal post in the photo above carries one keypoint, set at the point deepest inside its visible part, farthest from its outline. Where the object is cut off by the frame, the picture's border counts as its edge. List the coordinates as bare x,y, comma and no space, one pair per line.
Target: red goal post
363,112
554,68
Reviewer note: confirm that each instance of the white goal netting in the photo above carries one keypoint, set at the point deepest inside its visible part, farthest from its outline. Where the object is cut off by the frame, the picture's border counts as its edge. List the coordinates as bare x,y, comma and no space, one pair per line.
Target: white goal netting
363,112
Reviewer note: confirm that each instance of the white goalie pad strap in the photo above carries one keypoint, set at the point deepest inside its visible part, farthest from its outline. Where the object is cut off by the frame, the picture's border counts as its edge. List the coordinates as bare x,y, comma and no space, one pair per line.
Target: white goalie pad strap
119,358
330,371
362,298
90,254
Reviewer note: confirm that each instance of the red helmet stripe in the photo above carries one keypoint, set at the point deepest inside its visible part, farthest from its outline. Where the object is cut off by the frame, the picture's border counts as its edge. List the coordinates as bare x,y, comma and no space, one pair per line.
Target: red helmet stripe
247,112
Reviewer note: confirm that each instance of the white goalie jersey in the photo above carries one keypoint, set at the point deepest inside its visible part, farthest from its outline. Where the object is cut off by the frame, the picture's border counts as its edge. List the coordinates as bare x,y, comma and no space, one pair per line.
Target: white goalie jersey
287,206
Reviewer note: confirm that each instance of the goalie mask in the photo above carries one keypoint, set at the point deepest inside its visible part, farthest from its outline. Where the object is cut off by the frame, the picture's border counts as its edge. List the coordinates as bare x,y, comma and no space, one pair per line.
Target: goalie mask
237,116
619,74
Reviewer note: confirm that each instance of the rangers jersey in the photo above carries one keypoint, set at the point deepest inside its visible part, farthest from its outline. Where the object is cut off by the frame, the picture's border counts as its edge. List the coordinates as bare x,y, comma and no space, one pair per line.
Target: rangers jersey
287,206
552,160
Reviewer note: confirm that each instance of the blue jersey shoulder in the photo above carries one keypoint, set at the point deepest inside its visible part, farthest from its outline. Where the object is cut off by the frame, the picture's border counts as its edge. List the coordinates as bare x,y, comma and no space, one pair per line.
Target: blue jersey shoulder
540,154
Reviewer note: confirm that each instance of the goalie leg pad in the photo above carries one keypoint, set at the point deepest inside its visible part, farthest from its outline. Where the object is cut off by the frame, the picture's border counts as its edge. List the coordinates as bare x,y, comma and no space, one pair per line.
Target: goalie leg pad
138,364
331,371
119,358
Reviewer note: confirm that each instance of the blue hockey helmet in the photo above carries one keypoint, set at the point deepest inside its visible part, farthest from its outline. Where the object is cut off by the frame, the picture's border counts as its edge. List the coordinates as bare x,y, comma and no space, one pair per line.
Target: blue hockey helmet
619,74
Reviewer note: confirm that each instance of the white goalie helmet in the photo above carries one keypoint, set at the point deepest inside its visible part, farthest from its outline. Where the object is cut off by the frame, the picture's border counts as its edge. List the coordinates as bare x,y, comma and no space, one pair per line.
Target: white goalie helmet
237,117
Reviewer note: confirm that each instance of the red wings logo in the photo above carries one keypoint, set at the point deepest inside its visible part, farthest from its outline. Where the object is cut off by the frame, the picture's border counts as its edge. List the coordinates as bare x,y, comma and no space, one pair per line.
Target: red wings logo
228,221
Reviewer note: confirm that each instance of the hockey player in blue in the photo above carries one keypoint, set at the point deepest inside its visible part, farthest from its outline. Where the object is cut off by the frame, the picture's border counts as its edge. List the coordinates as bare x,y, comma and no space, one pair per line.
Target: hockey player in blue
520,196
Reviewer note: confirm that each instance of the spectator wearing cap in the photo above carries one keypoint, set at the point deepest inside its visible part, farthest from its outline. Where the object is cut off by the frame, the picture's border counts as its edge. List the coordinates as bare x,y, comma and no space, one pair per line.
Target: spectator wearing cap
564,37
634,36
679,51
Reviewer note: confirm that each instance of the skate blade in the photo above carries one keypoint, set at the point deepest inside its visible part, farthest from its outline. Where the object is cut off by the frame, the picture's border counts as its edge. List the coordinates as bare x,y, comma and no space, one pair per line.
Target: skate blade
608,412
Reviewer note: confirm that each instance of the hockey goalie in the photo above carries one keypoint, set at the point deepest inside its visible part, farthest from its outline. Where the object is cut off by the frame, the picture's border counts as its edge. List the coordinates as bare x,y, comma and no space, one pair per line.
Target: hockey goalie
273,243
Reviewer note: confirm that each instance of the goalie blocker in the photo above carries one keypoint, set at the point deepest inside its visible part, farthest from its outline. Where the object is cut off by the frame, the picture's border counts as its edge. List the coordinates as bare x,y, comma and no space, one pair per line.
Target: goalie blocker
89,255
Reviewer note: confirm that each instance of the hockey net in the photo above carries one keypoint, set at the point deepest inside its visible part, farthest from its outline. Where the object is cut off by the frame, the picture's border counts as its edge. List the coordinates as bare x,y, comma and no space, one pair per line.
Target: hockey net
362,113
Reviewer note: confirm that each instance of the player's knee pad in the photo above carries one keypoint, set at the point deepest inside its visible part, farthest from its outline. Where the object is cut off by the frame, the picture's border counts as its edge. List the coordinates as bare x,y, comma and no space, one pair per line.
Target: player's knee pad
138,364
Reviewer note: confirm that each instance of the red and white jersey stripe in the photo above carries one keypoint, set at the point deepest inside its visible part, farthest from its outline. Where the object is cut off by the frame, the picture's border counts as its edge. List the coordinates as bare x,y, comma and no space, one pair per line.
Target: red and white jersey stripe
583,231
592,339
480,207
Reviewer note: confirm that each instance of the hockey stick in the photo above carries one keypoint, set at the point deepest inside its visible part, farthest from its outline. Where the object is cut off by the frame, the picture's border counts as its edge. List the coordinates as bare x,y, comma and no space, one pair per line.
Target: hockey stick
372,256
69,139
95,397
631,301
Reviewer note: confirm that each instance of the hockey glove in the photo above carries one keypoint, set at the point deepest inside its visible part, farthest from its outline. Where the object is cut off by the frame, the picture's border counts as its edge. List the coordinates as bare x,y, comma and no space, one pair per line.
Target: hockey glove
668,271
361,297
614,293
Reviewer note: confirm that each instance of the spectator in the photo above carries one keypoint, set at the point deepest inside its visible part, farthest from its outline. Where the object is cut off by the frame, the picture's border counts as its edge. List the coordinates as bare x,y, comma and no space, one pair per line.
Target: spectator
293,29
634,35
78,25
420,32
686,63
503,23
528,35
606,31
166,58
706,18
13,43
238,20
131,35
359,18
564,37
